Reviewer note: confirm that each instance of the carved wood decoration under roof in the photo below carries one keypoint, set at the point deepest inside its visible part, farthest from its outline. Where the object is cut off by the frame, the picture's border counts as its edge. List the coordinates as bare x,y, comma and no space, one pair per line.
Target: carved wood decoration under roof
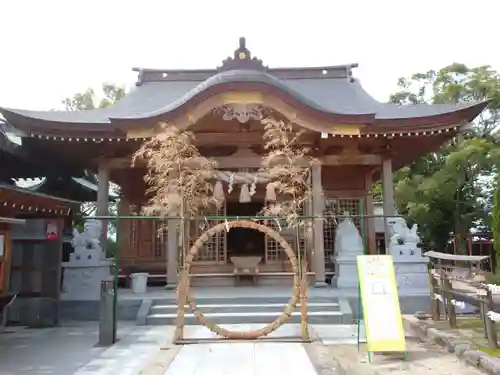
242,60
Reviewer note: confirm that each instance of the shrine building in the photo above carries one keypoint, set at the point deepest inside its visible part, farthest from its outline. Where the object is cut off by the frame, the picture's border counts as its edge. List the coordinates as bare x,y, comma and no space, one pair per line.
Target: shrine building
357,140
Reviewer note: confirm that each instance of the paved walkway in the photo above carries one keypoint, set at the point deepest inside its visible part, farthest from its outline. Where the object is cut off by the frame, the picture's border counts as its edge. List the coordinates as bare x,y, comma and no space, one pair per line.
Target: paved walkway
71,349
146,350
242,359
54,351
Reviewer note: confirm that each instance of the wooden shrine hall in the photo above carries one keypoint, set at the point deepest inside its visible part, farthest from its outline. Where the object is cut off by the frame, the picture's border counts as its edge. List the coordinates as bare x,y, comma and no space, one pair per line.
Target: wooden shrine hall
357,140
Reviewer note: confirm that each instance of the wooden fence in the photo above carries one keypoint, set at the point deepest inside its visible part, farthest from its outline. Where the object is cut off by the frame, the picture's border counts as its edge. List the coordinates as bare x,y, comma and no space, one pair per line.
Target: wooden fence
445,300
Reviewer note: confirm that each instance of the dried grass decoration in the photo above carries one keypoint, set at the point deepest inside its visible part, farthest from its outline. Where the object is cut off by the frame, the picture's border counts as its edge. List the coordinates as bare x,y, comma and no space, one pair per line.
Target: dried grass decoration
180,182
288,166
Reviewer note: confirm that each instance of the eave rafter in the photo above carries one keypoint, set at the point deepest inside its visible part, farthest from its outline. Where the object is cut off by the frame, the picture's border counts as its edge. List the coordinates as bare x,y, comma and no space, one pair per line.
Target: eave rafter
368,134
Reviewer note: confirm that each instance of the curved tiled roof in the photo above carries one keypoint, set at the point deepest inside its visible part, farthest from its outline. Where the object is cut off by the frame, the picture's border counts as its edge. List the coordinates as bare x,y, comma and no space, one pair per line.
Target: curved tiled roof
334,96
330,92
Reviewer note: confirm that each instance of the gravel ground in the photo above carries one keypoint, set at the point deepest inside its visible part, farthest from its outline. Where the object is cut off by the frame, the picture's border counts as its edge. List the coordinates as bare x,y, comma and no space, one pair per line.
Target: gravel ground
424,359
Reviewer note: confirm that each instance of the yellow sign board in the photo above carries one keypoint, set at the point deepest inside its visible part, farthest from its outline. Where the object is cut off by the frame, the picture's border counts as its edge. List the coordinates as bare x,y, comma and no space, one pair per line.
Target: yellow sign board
381,310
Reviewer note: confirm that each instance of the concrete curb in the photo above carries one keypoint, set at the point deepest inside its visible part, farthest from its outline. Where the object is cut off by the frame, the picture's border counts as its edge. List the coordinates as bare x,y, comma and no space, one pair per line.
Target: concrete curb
143,312
462,349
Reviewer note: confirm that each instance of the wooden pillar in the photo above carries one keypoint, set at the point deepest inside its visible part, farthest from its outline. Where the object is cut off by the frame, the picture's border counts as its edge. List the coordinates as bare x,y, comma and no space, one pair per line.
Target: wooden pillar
371,241
388,197
103,202
310,231
172,253
318,209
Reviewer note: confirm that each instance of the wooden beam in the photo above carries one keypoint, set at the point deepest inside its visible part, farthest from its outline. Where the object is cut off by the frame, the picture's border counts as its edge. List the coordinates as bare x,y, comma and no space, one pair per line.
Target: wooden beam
362,159
242,138
250,161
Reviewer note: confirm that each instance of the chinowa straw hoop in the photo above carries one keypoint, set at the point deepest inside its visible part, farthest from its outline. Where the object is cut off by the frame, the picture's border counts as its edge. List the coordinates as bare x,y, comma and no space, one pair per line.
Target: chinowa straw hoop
296,287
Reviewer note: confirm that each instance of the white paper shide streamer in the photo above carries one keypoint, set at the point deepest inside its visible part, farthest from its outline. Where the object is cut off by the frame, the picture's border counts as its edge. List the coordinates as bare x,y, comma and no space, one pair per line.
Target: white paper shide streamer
493,288
494,316
219,191
270,192
245,194
458,304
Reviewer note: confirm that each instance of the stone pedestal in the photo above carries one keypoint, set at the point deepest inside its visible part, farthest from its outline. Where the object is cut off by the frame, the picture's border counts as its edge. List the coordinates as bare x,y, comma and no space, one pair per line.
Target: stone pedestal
348,245
411,270
346,272
82,279
412,277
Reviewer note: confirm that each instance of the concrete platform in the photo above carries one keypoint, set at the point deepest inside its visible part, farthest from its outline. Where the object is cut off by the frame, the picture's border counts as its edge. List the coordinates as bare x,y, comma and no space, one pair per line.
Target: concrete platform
136,307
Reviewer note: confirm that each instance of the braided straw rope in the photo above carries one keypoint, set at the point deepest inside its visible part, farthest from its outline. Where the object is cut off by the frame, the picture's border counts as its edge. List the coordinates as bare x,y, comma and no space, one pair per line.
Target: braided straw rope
296,288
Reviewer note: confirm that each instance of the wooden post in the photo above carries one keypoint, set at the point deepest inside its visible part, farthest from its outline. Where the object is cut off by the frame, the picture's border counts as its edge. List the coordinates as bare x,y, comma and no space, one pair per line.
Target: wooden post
318,208
490,324
442,289
172,257
450,308
387,197
433,302
103,202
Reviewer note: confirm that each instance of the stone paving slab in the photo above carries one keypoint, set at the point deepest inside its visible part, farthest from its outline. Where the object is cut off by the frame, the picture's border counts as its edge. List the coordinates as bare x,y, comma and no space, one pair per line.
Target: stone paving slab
49,351
345,334
130,355
242,359
71,350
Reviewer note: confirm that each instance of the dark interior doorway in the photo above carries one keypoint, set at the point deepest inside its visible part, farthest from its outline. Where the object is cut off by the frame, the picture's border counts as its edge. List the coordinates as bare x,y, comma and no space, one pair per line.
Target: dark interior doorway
242,241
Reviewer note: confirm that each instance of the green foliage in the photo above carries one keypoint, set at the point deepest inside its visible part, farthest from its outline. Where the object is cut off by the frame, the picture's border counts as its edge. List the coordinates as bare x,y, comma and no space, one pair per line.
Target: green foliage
89,100
446,192
495,216
376,192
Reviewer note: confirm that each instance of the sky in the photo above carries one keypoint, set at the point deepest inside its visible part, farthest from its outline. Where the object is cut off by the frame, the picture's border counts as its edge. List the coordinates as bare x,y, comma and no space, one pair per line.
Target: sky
52,49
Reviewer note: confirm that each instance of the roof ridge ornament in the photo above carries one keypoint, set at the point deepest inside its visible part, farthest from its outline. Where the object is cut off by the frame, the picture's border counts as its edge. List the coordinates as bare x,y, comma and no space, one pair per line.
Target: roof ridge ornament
242,59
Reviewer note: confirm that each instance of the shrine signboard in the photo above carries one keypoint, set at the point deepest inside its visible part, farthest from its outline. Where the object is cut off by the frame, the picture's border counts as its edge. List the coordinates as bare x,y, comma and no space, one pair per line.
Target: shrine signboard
381,310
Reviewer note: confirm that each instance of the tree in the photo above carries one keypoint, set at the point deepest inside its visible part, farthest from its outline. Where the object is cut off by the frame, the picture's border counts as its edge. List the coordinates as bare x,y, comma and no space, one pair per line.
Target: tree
447,191
496,220
88,100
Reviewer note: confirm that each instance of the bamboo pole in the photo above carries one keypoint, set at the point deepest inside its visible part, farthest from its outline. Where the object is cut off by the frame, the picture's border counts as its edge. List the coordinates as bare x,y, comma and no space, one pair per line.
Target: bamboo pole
182,290
304,324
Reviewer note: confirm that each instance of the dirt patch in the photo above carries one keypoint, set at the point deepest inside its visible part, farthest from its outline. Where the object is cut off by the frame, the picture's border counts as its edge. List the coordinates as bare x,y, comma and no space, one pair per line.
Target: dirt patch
423,359
471,330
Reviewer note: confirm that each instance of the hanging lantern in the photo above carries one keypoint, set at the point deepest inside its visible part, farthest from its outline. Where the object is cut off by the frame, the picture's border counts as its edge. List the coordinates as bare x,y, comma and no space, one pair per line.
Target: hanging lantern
270,192
219,191
245,194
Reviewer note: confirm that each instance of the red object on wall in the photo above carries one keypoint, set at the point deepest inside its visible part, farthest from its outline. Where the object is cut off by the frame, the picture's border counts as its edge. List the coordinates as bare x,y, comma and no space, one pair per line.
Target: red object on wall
52,232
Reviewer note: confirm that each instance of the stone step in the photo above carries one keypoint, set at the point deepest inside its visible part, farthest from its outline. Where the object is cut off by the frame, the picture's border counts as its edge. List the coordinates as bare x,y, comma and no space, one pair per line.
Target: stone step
241,308
243,300
246,317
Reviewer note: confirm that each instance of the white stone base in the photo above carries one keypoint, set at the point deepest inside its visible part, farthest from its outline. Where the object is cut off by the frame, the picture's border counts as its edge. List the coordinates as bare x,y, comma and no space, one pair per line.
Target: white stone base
82,282
412,276
346,273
